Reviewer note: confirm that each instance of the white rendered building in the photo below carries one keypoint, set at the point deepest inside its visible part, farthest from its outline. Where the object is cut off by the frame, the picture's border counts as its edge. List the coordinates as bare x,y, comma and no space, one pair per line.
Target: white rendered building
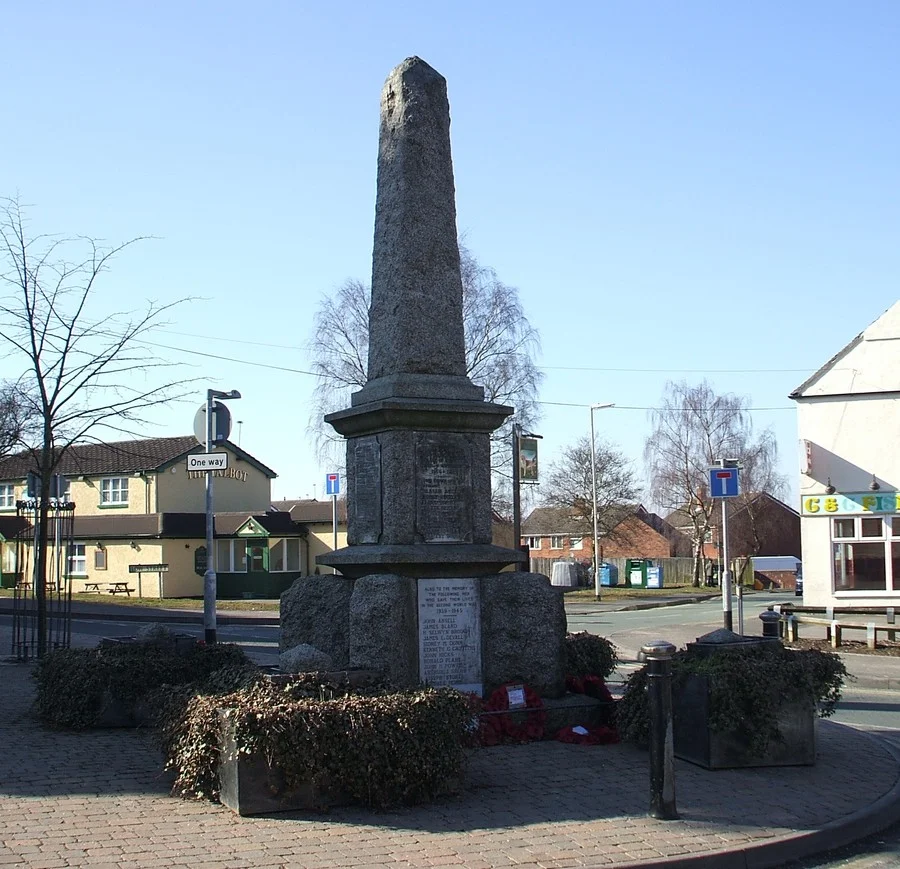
848,417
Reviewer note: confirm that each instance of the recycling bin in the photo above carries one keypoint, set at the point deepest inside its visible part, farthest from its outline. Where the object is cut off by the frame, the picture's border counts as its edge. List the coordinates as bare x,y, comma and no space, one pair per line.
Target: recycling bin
609,574
654,575
636,572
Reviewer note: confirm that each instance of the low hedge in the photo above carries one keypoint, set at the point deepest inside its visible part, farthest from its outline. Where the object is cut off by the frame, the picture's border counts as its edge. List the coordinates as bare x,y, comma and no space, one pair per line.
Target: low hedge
589,655
747,685
75,685
377,747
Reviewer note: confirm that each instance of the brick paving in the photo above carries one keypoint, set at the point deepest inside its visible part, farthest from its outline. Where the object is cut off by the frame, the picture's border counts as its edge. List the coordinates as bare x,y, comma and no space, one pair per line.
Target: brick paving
100,799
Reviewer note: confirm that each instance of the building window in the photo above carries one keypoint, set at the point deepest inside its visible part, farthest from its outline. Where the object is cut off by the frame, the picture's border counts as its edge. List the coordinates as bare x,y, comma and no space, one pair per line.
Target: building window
533,542
9,557
7,496
114,490
865,557
557,541
576,543
284,555
231,556
77,561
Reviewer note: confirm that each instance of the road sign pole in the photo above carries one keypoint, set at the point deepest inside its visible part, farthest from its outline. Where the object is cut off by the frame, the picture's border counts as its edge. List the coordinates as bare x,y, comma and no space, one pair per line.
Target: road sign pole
726,573
209,576
334,525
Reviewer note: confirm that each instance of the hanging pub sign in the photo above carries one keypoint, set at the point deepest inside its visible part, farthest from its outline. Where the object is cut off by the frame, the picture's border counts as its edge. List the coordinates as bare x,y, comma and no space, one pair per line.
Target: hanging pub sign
528,460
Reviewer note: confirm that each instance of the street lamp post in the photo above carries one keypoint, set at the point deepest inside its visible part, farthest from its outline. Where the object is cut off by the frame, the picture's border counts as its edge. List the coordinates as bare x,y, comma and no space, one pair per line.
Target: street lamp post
594,499
209,575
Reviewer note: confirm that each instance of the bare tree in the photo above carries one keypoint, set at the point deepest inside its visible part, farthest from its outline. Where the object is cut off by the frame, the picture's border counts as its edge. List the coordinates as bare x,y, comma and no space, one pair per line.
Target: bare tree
83,373
14,422
692,429
501,347
569,482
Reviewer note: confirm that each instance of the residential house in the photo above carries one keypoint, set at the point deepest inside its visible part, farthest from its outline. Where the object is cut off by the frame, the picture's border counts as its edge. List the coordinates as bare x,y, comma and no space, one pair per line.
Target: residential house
630,532
758,524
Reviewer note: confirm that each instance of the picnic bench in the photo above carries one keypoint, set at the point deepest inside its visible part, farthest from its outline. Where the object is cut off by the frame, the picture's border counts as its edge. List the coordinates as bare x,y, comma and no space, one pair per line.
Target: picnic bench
92,587
117,587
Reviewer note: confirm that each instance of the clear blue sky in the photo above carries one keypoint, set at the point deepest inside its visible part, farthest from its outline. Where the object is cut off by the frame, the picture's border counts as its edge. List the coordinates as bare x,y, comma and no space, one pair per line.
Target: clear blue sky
677,190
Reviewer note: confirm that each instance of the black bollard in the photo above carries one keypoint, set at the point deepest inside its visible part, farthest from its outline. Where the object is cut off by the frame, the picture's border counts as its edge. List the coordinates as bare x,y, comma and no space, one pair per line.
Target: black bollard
658,655
771,621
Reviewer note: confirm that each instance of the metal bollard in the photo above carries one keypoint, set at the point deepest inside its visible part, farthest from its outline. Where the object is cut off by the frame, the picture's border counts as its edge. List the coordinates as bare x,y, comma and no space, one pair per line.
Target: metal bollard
658,655
770,624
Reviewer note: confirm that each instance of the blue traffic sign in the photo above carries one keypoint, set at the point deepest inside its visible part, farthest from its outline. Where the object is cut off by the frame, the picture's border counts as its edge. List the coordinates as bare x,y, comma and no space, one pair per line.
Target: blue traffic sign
332,484
723,483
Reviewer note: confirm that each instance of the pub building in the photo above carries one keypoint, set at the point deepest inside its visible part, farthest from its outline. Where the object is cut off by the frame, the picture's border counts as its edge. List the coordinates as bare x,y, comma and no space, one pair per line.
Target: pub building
847,418
140,523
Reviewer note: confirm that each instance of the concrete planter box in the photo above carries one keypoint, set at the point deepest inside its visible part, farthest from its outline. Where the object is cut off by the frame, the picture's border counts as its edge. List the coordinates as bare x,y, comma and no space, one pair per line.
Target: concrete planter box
697,743
248,785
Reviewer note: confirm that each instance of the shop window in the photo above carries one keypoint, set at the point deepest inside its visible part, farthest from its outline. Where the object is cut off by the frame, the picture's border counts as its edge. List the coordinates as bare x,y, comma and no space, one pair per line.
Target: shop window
864,558
844,528
7,496
895,526
231,556
76,563
533,542
557,542
284,555
114,490
576,543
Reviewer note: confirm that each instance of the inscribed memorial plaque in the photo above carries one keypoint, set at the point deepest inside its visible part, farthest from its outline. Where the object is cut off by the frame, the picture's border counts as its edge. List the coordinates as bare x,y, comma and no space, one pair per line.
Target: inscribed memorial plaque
443,488
450,633
364,497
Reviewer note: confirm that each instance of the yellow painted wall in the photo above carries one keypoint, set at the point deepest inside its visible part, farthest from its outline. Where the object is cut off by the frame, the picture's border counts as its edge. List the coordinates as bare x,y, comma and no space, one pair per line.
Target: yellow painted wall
321,540
86,495
241,487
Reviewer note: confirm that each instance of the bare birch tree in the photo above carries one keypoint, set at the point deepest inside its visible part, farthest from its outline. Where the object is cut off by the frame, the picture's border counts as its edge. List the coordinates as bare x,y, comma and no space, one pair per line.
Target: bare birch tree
692,429
84,373
569,482
501,348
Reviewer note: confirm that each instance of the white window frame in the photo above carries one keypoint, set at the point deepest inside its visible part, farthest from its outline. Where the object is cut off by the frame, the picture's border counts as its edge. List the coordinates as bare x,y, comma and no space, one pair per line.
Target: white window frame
287,544
8,559
7,496
76,559
533,542
576,543
557,541
114,490
239,545
890,534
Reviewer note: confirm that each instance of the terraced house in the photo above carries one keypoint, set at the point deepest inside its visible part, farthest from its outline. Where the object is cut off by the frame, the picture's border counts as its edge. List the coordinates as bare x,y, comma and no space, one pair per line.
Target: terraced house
139,522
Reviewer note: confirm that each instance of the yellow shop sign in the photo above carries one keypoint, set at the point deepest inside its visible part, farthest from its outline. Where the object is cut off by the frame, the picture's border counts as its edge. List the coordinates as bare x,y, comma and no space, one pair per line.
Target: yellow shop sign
843,504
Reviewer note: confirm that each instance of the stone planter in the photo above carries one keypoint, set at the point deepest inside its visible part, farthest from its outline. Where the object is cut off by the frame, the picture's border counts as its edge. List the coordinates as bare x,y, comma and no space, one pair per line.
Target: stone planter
248,785
697,743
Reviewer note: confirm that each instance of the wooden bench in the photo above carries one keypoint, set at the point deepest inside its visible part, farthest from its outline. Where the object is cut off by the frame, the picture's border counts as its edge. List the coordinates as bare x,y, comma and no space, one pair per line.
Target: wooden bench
116,587
92,587
834,629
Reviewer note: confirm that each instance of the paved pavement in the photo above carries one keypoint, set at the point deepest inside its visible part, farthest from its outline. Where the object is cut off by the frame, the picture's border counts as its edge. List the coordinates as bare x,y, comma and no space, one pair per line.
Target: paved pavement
100,799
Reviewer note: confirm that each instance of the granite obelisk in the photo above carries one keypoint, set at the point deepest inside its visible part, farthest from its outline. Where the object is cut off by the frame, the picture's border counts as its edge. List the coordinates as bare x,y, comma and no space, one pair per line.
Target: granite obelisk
420,598
418,433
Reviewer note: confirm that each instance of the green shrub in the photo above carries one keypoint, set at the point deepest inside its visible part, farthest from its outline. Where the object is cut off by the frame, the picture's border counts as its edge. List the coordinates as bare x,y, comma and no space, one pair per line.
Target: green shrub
75,685
379,748
747,686
589,655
